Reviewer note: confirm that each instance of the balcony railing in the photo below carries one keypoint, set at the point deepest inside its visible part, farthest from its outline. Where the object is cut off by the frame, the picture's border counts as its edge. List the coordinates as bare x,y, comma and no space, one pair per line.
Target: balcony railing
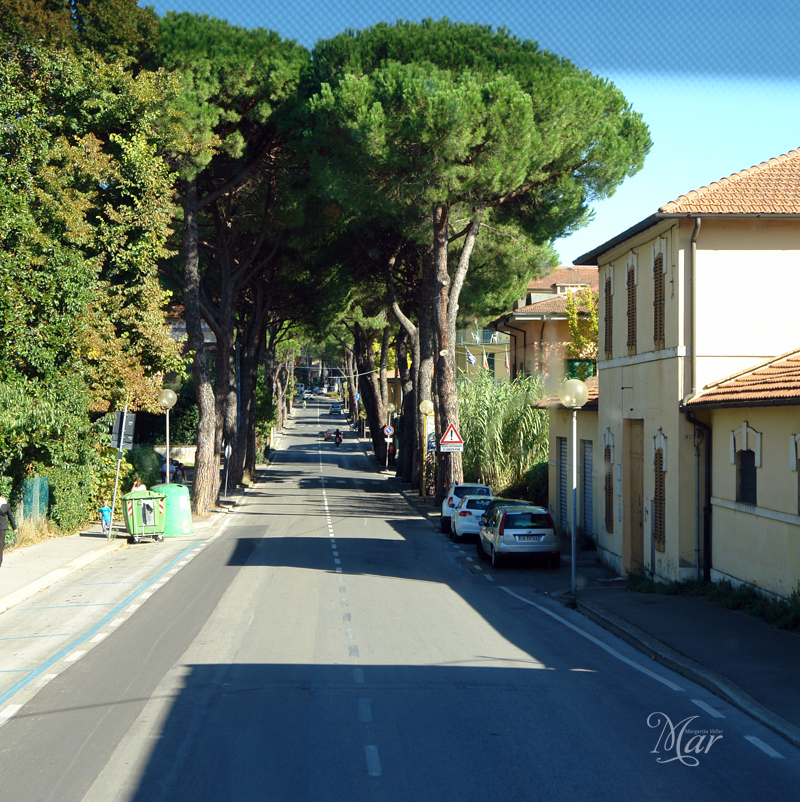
485,337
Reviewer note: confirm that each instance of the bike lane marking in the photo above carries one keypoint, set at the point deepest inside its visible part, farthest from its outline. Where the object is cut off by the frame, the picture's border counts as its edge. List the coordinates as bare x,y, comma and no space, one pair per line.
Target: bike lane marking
596,641
109,619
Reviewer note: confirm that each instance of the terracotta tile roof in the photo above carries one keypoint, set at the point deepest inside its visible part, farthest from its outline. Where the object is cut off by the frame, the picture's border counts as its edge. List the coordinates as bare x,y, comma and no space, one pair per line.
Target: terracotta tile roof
567,275
554,402
550,306
775,382
772,187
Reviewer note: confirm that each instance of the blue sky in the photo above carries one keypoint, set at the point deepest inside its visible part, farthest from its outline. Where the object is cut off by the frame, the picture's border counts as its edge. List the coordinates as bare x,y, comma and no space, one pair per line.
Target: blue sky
718,82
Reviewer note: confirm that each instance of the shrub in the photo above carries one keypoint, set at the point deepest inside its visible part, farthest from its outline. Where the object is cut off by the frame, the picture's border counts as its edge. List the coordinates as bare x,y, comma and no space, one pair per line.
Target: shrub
71,497
504,437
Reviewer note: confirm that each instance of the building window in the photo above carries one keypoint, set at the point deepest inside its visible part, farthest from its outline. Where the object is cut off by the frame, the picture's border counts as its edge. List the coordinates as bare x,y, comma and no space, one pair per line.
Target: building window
609,319
746,477
658,501
609,489
631,311
658,302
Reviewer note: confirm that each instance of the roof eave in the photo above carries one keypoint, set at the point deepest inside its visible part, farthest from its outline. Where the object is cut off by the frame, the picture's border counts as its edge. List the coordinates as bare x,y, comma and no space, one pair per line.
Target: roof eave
763,402
592,257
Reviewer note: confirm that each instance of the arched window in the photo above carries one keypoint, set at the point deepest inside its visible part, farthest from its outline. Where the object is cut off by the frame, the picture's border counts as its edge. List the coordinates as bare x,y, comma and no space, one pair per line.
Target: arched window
746,477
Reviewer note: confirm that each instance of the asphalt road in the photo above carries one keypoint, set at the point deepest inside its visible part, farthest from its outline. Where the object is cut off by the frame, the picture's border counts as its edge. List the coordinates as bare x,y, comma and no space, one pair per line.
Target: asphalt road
329,644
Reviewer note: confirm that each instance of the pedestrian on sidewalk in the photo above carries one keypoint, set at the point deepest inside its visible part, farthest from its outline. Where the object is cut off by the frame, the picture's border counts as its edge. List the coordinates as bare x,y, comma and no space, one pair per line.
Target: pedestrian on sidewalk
138,486
6,518
105,517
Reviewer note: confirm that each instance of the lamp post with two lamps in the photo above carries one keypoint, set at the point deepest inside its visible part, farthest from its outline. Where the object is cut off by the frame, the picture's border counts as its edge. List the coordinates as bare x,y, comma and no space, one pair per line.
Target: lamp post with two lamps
573,395
167,399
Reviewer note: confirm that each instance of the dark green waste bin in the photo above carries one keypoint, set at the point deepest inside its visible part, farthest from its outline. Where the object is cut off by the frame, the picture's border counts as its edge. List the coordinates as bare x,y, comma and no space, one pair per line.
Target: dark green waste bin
144,514
178,509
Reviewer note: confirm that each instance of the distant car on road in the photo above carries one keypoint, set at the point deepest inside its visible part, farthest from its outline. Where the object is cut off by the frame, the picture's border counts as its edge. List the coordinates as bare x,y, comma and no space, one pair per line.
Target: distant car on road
516,531
455,494
466,516
307,394
328,435
336,409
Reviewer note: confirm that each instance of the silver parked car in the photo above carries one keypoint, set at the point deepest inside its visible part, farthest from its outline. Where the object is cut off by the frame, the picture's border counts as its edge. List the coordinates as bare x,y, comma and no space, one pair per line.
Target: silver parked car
455,494
465,522
519,531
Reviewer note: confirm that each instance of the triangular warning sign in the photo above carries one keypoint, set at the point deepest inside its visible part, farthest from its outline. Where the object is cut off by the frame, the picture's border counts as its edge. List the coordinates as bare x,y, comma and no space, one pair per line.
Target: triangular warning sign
451,436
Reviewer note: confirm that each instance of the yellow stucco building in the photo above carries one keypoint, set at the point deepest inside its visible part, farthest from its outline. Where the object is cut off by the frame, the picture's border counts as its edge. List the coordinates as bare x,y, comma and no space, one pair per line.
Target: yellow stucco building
705,288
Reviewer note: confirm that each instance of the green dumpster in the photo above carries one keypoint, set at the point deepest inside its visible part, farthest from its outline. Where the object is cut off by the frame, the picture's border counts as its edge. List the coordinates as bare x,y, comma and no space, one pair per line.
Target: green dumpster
143,513
179,510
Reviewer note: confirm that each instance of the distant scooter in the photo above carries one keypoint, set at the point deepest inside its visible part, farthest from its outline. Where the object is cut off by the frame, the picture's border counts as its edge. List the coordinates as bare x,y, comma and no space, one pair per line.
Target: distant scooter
338,438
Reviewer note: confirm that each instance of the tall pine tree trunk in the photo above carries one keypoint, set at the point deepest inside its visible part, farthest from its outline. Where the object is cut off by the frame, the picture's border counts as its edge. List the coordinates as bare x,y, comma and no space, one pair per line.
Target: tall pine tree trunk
205,484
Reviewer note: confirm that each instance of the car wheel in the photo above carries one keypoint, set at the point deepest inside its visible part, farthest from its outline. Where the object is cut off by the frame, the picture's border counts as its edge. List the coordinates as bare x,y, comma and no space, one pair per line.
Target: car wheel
445,524
495,558
481,552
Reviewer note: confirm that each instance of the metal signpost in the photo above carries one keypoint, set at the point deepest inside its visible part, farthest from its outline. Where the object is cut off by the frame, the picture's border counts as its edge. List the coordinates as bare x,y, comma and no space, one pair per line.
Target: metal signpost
227,458
121,439
388,431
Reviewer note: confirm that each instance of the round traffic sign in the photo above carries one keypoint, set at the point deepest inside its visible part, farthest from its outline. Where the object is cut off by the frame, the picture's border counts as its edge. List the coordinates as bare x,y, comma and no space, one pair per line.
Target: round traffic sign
388,430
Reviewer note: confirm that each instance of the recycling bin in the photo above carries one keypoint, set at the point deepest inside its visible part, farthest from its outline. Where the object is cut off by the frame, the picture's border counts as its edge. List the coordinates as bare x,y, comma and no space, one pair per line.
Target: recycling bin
178,509
143,513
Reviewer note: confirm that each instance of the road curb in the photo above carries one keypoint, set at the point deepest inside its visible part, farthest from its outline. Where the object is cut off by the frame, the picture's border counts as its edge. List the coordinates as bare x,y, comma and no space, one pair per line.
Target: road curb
711,680
24,593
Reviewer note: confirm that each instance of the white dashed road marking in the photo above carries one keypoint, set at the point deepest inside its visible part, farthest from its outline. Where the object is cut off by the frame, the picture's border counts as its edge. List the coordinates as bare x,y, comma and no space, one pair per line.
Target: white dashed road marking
765,748
373,763
7,712
73,656
710,710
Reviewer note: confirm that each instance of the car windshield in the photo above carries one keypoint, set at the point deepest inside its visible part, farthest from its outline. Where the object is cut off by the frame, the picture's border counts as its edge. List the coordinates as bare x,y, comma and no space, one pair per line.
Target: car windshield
527,520
477,503
462,490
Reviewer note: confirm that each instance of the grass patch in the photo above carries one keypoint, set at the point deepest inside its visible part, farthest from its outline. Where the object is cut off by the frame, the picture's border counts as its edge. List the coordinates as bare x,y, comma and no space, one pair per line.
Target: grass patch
784,614
31,532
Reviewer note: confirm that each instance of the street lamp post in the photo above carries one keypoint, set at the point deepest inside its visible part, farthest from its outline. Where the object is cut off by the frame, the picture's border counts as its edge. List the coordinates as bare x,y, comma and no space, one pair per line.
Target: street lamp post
574,394
426,408
167,399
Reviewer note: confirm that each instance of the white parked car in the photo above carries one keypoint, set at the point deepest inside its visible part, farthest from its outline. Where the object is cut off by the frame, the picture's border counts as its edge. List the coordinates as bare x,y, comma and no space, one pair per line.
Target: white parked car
455,494
519,531
465,524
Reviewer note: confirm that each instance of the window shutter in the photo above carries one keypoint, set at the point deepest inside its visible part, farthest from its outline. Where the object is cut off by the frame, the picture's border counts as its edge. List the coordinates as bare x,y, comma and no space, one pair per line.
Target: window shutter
746,477
659,503
631,311
609,486
609,319
658,302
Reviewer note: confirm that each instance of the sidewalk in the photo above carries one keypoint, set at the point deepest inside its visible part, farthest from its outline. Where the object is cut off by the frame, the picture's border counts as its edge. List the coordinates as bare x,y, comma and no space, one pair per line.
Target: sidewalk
745,661
26,571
